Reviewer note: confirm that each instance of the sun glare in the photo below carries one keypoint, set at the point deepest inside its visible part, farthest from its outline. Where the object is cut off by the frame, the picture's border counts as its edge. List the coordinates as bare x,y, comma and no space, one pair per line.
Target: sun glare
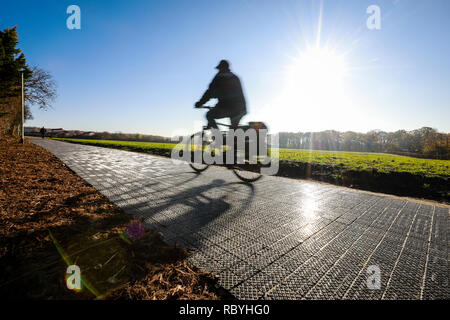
317,69
314,93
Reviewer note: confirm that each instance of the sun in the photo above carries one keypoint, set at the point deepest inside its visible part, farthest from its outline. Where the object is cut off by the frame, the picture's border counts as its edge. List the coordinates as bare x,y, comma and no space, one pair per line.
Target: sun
313,92
317,69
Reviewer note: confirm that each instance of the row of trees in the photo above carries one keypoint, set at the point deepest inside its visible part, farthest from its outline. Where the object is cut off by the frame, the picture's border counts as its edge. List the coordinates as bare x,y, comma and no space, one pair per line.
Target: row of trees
427,142
39,87
131,137
77,134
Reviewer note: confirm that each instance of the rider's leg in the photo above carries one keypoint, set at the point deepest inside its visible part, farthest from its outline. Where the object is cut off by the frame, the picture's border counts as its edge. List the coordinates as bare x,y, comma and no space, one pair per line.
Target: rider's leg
215,113
235,120
211,119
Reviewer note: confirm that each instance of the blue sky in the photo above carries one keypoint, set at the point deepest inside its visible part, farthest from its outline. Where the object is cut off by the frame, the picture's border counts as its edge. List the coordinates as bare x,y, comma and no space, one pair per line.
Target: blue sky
139,66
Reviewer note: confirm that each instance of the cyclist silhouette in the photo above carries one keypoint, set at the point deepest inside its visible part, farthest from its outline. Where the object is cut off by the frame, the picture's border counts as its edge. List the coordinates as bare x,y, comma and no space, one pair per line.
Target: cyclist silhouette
226,87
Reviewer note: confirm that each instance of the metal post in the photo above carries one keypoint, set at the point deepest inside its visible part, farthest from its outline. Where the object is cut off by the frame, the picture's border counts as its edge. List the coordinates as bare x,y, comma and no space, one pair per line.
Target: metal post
23,114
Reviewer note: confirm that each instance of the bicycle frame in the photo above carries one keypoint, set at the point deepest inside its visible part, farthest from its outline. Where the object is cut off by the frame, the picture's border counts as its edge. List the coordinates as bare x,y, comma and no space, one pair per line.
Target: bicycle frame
236,170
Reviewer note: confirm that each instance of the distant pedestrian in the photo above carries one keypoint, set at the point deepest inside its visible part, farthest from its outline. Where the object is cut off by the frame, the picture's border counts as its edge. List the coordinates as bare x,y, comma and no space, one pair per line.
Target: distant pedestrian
43,131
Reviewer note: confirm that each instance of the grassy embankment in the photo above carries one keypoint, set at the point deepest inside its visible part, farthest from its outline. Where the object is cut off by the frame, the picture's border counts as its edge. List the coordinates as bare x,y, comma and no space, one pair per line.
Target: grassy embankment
381,172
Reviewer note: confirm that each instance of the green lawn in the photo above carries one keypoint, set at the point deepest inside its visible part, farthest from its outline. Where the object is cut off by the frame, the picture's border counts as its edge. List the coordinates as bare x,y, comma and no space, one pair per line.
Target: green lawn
142,145
383,162
351,160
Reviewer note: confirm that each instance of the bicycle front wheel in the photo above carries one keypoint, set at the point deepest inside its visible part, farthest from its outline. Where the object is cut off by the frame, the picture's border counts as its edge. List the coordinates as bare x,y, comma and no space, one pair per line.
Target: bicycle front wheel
197,145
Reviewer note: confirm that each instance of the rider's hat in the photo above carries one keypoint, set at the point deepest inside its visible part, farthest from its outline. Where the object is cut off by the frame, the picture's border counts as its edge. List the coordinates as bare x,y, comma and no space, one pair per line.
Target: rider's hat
223,64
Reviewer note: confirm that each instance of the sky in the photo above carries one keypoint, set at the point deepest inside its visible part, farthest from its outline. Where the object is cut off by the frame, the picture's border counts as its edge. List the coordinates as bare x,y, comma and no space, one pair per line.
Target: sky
305,65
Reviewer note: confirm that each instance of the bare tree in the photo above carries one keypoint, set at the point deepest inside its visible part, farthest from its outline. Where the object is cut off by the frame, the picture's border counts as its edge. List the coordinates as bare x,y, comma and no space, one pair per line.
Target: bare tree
40,89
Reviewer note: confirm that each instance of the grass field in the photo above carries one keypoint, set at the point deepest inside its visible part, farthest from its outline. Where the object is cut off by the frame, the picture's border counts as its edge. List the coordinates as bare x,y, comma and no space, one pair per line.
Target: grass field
382,162
131,144
351,160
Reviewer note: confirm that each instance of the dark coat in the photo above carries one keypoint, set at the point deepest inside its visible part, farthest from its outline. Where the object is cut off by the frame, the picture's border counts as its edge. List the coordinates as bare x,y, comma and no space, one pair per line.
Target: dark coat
226,87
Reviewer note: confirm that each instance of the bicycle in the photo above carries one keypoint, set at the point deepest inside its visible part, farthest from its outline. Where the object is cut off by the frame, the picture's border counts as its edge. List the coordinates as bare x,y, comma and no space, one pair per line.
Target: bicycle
248,171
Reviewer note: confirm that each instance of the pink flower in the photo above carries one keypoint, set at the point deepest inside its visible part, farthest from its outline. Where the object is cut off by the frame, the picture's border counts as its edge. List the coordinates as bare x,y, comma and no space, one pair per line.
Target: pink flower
135,230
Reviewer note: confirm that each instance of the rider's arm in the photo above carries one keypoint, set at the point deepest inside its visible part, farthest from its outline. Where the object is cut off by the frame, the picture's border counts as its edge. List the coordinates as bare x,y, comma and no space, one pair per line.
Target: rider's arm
209,94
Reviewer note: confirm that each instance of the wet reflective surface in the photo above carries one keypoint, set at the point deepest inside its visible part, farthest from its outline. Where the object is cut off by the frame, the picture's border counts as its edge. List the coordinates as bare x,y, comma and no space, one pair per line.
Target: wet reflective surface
278,238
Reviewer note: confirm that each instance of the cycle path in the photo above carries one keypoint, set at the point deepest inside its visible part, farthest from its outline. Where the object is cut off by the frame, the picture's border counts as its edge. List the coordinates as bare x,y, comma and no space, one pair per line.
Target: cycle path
278,238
